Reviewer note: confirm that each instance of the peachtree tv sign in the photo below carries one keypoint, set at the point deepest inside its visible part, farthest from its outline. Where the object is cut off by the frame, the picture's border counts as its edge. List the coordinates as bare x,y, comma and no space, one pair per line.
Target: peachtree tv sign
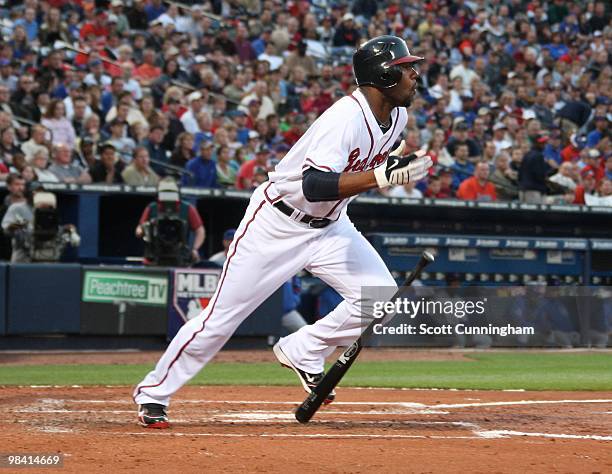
107,287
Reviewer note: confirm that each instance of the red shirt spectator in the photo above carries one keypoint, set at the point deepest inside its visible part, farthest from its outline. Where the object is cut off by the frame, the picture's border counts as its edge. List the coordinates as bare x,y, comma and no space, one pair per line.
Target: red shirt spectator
588,186
477,188
244,180
98,27
435,190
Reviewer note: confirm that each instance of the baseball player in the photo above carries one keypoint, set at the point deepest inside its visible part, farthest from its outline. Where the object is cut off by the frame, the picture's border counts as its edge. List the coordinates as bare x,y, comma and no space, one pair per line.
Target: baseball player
298,220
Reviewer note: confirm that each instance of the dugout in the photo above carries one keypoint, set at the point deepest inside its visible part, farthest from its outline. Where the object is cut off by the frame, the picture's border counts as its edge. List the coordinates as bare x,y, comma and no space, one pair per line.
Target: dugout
488,259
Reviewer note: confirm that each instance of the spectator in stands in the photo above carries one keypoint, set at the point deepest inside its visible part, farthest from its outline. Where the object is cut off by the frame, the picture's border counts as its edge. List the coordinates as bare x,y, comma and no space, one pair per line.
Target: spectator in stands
97,75
122,143
235,91
586,187
346,35
478,187
299,58
109,167
40,162
153,144
66,170
227,168
138,172
53,28
183,152
189,118
589,160
563,182
571,152
504,178
434,188
246,175
260,93
500,137
125,110
552,150
15,185
462,168
87,152
147,72
601,128
23,100
174,126
603,196
203,169
408,190
8,149
460,136
533,172
62,131
112,96
80,111
38,141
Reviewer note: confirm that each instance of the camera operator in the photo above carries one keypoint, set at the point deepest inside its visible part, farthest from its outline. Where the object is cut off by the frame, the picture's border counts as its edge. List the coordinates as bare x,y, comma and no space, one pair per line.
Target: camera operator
15,185
34,228
165,225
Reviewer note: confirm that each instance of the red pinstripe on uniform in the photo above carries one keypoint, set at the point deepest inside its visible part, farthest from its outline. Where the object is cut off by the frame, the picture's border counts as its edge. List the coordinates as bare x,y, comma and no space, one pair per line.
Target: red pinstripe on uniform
271,201
229,259
314,165
367,125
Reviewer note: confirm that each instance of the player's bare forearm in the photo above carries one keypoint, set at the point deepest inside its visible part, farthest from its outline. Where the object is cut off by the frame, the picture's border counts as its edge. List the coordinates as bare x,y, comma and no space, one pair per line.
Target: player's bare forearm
351,184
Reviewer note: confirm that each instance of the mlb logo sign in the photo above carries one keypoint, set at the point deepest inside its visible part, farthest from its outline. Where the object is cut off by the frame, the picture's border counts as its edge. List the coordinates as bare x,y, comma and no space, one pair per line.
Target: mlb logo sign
192,290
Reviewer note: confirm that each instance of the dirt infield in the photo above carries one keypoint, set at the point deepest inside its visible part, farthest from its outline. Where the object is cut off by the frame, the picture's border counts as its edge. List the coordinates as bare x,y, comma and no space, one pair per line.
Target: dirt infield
251,429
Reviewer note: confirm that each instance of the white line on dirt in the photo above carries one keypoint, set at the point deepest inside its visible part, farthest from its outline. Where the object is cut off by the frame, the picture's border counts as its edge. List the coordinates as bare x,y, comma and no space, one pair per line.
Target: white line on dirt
491,434
284,435
518,402
399,404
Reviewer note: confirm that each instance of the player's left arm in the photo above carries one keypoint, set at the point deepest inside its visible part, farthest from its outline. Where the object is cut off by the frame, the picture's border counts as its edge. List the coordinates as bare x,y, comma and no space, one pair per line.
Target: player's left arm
320,185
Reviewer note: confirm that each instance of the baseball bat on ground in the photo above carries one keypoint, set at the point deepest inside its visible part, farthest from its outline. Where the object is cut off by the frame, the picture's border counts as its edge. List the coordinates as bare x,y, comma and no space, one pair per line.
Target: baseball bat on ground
332,378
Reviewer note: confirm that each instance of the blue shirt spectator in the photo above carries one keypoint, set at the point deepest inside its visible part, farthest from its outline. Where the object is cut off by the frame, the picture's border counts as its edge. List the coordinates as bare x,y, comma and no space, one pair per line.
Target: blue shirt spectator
199,138
203,169
156,152
29,24
154,10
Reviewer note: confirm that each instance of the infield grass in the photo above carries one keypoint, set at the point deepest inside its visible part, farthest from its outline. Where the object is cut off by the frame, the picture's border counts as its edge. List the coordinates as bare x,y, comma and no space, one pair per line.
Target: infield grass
487,371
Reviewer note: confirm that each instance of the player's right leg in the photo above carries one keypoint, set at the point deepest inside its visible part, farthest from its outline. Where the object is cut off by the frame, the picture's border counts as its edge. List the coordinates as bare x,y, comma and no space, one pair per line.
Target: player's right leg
267,250
346,261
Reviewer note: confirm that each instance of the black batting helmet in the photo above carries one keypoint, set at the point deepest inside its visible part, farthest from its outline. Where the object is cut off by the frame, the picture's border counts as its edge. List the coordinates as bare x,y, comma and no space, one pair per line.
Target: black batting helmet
376,63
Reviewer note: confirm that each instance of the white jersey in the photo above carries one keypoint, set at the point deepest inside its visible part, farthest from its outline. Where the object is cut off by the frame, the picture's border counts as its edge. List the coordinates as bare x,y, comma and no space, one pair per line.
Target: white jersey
345,138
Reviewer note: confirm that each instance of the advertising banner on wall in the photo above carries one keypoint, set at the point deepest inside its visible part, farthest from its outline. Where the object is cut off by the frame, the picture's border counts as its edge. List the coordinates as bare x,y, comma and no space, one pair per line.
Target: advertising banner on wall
192,290
121,301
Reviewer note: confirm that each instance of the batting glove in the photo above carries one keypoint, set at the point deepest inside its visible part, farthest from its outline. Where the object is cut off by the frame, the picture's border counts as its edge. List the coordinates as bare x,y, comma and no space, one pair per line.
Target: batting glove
398,170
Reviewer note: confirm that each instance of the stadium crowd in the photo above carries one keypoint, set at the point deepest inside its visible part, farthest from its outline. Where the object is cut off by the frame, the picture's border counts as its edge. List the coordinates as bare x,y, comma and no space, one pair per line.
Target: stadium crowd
514,104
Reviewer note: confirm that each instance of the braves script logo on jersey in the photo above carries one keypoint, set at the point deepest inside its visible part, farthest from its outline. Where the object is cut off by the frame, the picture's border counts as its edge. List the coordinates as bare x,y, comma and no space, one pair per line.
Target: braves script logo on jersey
355,164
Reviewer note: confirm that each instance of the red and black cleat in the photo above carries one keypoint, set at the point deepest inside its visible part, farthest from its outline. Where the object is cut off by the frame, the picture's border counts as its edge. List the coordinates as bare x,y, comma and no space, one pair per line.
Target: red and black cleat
153,415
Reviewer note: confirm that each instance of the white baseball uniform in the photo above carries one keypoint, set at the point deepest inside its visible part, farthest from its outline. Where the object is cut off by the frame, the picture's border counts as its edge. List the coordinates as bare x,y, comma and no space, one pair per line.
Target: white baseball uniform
270,247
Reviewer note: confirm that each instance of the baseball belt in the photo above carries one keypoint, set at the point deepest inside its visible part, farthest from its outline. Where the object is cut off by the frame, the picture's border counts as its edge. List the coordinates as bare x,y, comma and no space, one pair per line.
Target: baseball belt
312,221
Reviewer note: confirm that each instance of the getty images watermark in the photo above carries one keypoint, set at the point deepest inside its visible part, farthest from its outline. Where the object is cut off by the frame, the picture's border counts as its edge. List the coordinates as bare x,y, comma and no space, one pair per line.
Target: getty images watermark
458,309
510,316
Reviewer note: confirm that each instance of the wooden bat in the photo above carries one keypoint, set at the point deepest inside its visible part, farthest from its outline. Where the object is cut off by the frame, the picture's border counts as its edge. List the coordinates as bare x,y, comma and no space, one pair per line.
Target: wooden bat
332,378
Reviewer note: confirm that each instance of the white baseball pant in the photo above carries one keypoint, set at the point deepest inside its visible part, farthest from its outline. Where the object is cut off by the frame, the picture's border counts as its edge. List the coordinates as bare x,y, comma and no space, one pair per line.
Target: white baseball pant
267,250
